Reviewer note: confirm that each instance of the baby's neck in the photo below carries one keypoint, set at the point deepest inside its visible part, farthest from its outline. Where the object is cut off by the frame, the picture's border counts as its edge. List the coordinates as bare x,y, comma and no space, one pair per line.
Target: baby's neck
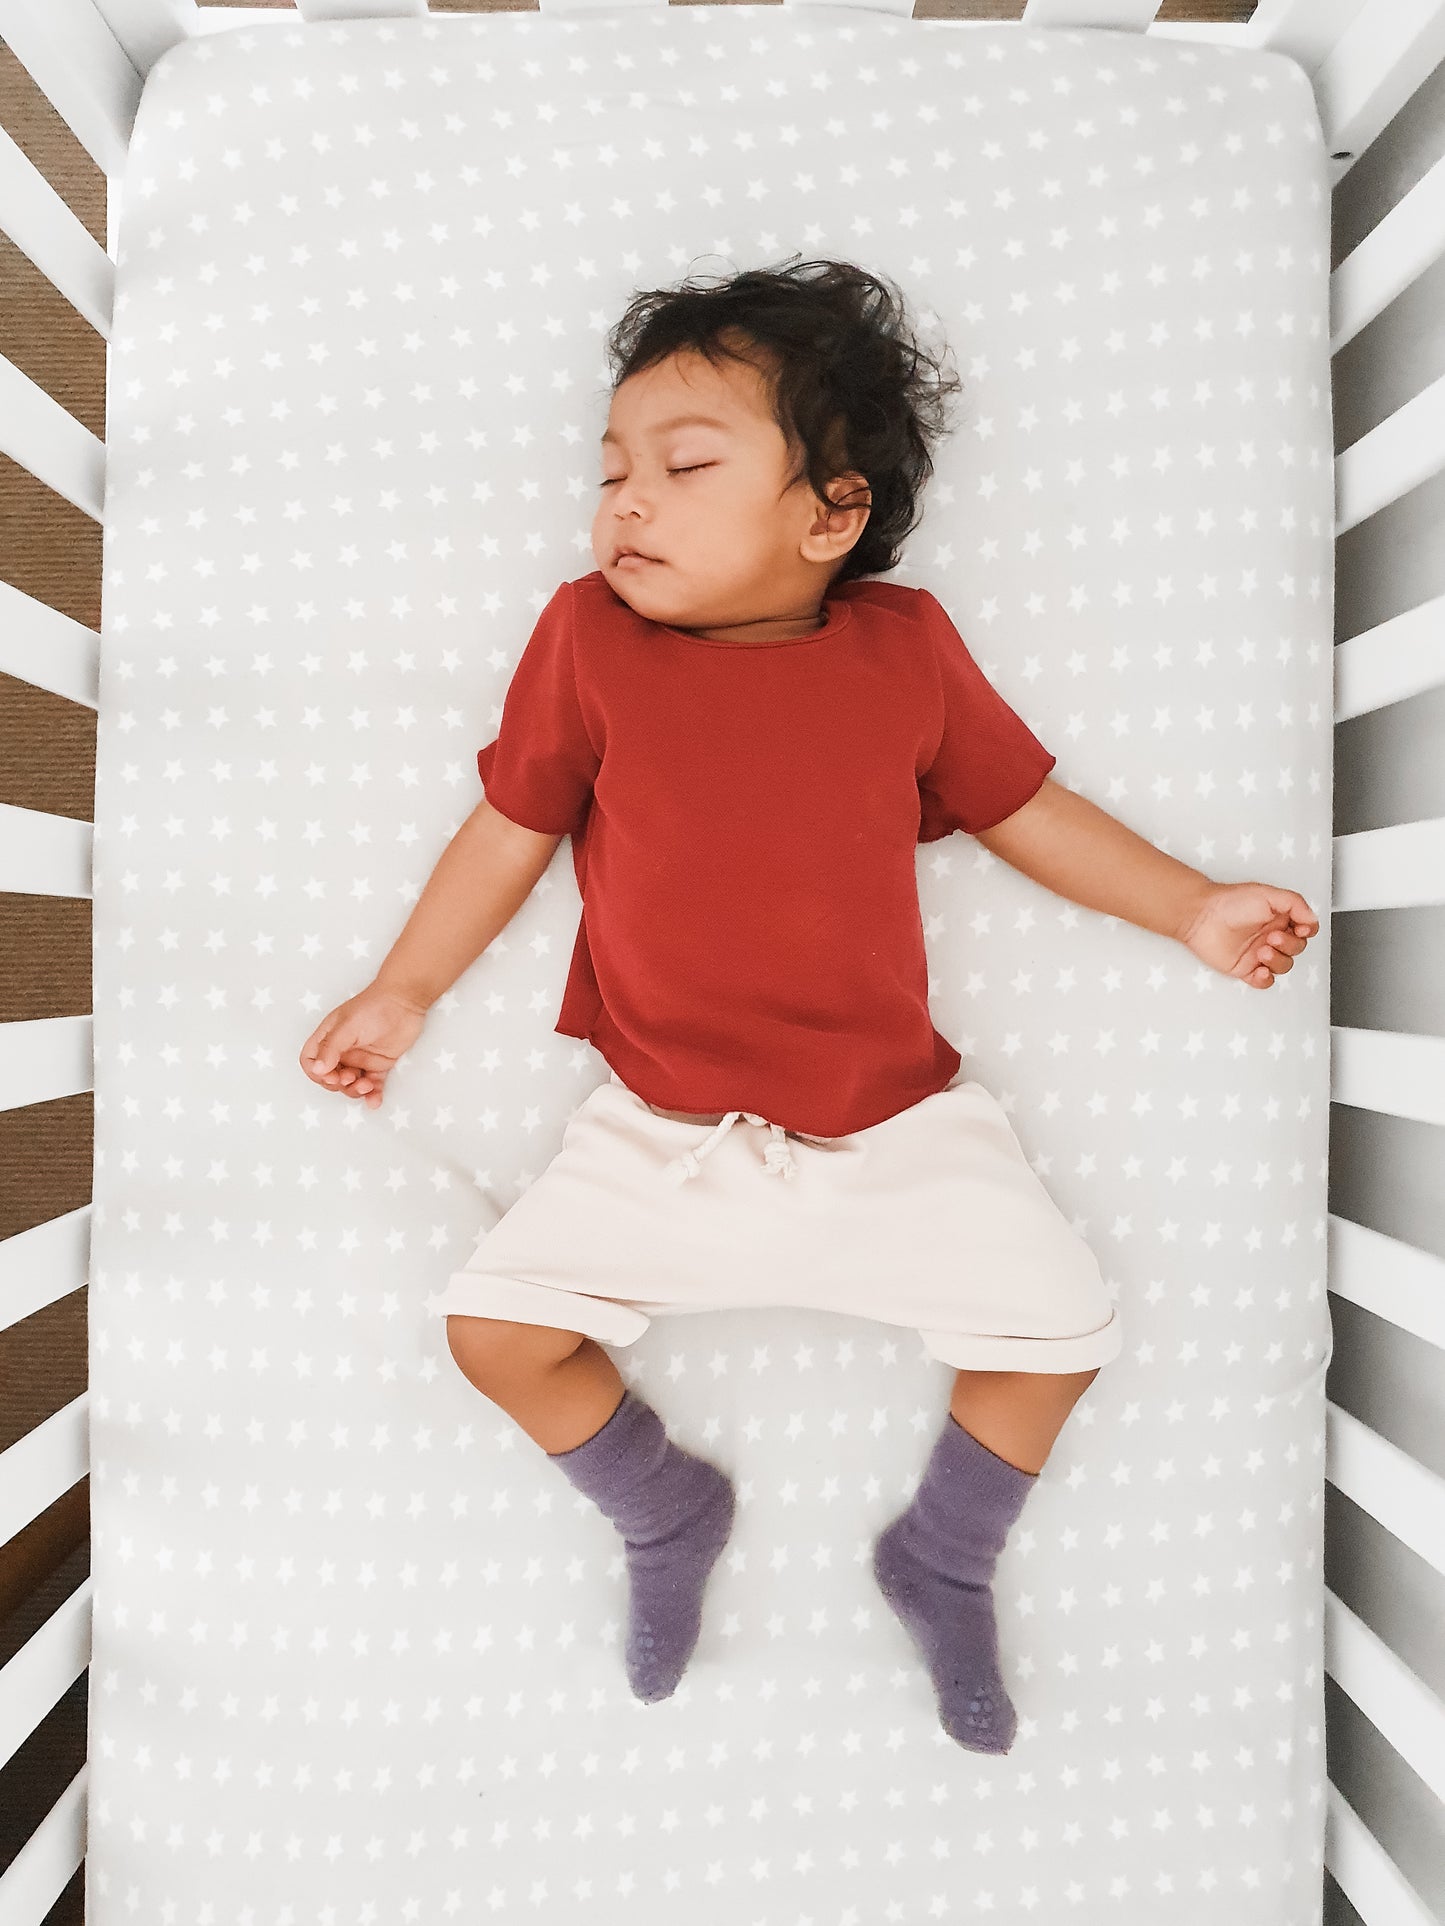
767,628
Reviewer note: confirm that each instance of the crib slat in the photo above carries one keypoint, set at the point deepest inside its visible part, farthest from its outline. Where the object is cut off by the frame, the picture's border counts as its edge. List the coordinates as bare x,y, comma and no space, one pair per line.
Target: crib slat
49,442
43,1058
46,1863
358,10
41,1265
1304,29
68,49
1389,49
1405,449
1400,1706
213,18
44,647
148,28
61,246
1130,15
44,1669
1392,255
1398,1492
43,855
46,1462
1365,1872
1399,658
1392,1071
1398,867
1394,1280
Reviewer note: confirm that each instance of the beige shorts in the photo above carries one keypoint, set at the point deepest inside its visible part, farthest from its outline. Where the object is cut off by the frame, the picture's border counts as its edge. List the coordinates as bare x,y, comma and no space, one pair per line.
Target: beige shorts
932,1220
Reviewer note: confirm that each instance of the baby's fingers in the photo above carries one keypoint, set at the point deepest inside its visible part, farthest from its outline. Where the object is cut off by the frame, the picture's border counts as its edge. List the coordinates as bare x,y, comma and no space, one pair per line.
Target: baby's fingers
323,1046
361,1083
367,1085
335,1078
322,1061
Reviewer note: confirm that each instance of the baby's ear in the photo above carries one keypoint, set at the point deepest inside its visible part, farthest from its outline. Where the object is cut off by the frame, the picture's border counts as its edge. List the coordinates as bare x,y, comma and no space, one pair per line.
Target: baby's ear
850,491
846,495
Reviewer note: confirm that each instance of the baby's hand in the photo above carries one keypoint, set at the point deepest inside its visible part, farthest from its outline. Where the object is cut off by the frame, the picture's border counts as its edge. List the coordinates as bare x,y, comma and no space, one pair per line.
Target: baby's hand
1252,931
356,1046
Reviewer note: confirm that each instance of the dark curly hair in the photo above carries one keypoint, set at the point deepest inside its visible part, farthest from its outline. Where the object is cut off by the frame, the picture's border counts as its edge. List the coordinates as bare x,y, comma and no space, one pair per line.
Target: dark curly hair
850,384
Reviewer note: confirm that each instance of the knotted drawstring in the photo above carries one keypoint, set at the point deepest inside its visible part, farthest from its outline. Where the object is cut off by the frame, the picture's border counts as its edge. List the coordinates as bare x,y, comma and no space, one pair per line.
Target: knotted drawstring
777,1158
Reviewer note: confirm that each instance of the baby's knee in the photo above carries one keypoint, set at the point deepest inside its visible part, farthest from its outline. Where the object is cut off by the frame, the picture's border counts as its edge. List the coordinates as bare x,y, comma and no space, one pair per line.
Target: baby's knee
1075,1383
494,1352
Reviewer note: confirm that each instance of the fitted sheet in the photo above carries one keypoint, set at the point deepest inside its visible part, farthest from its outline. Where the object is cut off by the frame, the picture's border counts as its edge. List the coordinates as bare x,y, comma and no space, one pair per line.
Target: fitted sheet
356,1643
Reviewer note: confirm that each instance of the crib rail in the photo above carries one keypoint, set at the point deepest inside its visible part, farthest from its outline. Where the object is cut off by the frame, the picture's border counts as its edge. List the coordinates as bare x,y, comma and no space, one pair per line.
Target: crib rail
49,443
43,227
1379,1893
1403,656
41,646
47,1861
1396,1281
1366,60
41,1265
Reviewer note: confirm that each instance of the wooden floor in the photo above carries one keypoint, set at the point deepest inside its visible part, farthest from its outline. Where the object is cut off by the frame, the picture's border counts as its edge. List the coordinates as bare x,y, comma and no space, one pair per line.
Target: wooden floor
47,761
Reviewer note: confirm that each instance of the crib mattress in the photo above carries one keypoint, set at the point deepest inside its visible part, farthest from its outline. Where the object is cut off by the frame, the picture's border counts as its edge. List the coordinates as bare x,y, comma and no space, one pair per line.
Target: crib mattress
356,1643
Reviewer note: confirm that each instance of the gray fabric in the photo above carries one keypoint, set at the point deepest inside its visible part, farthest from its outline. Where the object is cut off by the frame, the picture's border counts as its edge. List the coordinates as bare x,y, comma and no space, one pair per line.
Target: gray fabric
355,1644
674,1512
935,1565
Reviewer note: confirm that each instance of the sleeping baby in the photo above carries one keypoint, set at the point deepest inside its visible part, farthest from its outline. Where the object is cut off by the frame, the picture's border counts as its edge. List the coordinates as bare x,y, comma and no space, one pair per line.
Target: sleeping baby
747,730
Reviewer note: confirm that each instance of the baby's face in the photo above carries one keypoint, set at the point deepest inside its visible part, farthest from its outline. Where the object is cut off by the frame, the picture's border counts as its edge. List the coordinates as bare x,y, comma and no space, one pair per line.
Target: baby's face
698,523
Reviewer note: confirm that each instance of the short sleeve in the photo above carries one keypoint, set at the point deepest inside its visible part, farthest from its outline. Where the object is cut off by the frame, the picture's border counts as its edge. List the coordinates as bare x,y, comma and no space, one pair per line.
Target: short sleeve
539,769
989,762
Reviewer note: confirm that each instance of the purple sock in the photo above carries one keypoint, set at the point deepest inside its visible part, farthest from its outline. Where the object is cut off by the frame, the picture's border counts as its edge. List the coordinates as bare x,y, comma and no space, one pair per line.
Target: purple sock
675,1513
935,1563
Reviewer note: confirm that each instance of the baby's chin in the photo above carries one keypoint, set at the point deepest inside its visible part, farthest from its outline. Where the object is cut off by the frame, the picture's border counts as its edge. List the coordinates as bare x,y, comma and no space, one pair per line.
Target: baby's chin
649,593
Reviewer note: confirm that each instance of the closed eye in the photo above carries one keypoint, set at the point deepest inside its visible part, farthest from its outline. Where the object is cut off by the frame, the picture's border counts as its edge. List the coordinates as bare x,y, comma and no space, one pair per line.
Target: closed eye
696,468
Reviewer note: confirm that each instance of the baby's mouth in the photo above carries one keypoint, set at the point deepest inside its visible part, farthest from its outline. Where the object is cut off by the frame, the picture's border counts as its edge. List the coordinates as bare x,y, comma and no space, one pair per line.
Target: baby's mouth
634,558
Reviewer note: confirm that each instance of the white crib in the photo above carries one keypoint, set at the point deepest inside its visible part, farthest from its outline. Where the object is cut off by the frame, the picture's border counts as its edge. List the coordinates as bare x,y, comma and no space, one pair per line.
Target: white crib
1368,60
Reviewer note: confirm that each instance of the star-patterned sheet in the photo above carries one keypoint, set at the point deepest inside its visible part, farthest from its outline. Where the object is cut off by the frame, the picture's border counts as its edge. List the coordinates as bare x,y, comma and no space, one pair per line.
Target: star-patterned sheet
356,1643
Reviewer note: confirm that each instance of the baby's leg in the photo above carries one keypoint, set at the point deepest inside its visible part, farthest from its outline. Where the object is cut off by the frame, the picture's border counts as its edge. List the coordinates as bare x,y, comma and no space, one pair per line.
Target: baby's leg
560,1387
1018,1414
674,1511
935,1562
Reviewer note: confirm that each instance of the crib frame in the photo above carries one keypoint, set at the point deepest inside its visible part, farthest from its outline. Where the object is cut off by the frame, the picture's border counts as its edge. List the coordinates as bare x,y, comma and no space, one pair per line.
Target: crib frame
1366,60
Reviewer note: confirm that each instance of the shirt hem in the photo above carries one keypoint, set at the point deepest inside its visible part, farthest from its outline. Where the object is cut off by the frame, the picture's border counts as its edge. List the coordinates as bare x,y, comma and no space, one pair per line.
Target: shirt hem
798,1129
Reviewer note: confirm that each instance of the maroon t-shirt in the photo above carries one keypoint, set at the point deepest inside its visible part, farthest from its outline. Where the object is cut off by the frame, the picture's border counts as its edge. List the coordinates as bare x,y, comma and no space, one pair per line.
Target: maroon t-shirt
744,819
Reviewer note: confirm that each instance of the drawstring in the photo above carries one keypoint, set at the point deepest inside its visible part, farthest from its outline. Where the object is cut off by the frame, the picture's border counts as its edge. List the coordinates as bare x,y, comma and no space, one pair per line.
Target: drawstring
777,1158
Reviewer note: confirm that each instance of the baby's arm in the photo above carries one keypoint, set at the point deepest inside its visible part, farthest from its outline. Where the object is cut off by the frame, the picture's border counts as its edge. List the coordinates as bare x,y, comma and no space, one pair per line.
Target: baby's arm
1080,851
1246,930
483,877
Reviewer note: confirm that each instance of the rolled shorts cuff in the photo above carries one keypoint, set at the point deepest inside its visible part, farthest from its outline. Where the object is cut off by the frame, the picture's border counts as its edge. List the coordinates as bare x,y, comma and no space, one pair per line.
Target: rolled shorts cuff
977,1351
467,1294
